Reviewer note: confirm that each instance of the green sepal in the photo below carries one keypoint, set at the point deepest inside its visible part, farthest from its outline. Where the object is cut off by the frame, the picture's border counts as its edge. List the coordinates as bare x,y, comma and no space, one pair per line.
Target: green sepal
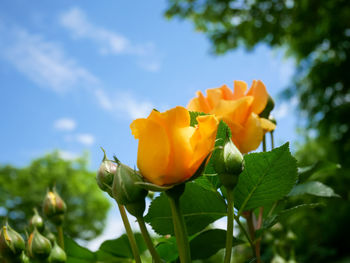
11,242
124,189
136,209
153,187
57,254
39,247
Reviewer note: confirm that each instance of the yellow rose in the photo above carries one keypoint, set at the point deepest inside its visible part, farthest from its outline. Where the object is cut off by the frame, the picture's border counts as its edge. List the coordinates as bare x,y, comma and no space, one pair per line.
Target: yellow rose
170,151
239,110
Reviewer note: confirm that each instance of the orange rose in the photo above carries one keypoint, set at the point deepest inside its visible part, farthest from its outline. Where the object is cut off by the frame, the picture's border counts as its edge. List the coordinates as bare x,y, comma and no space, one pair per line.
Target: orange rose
170,151
239,110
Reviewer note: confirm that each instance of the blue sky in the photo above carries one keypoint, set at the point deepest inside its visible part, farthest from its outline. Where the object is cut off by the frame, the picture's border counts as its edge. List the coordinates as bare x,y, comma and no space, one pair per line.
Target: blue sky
74,74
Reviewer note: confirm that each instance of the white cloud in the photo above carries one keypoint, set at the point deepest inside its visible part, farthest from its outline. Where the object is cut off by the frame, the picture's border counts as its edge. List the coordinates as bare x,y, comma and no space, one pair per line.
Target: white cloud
46,64
109,42
124,104
65,124
42,61
68,155
85,139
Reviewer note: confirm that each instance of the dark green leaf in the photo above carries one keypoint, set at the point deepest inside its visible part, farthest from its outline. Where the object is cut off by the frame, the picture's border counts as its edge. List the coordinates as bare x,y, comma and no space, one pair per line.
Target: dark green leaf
267,177
76,253
199,206
209,242
272,220
167,249
120,247
313,188
316,170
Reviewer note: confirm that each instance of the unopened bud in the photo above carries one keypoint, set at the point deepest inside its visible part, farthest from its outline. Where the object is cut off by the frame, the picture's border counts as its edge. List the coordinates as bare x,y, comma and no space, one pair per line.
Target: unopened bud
50,236
11,242
57,254
229,164
268,108
126,192
54,207
39,247
36,222
105,174
24,258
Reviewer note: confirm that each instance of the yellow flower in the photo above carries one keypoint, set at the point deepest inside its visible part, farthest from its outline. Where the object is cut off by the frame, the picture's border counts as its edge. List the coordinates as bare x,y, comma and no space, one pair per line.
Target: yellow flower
239,110
170,151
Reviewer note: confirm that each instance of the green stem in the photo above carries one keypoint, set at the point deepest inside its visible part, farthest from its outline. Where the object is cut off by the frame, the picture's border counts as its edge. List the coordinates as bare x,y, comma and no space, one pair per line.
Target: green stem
246,234
230,222
251,225
60,236
272,140
132,241
180,229
264,143
148,240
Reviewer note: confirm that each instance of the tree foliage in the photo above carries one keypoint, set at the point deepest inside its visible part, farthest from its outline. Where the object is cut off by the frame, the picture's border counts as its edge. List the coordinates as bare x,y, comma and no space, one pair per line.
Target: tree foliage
317,35
22,189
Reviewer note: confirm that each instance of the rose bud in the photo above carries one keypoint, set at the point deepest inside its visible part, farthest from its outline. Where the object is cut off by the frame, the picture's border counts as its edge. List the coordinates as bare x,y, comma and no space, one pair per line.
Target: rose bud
57,254
54,207
126,192
268,108
11,242
39,247
229,164
24,258
36,222
105,174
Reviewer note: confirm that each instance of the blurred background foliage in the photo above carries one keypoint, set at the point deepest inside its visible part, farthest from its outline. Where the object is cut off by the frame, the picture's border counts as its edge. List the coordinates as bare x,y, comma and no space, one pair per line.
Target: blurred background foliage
22,189
316,34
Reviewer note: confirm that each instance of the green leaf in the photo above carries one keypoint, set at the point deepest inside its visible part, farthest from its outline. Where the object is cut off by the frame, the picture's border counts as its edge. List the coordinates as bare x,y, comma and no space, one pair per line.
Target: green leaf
199,206
209,242
272,220
167,249
120,247
76,253
202,245
267,177
194,115
317,170
313,188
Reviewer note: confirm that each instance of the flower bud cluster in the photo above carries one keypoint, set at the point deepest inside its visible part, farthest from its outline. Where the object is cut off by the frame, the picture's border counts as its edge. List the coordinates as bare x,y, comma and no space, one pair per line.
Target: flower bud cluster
119,181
